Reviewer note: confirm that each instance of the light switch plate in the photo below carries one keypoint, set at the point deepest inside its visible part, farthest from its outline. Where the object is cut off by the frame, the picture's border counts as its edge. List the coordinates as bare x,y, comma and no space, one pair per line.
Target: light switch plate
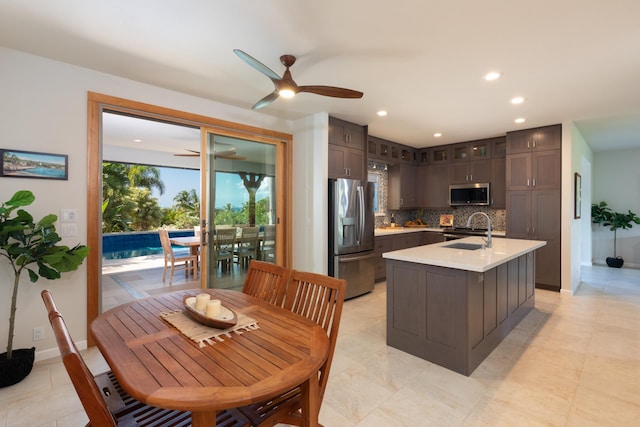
68,229
68,215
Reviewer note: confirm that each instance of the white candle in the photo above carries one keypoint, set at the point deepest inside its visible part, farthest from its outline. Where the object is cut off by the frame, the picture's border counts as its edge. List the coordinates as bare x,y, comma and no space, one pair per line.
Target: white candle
213,308
201,301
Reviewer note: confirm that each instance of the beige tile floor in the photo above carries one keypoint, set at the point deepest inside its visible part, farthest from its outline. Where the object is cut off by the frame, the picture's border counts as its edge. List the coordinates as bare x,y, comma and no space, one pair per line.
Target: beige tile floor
573,361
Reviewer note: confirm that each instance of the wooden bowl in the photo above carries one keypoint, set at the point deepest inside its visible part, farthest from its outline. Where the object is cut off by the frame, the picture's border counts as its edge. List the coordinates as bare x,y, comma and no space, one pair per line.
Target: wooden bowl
226,319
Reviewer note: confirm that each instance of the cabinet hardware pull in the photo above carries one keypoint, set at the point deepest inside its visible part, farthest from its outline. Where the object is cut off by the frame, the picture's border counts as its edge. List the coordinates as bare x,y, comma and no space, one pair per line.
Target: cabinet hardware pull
527,182
534,182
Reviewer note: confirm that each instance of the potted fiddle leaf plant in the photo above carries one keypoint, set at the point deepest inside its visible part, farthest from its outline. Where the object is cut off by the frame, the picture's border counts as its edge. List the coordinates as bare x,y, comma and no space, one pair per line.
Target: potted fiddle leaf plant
601,213
32,246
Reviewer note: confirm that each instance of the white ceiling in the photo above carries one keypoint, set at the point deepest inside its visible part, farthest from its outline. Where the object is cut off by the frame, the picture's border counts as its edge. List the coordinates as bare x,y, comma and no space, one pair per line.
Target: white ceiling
420,60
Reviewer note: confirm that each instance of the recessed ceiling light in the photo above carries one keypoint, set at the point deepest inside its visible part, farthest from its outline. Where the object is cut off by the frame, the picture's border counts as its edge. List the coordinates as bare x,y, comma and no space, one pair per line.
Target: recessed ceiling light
382,113
519,120
492,75
137,140
517,100
437,134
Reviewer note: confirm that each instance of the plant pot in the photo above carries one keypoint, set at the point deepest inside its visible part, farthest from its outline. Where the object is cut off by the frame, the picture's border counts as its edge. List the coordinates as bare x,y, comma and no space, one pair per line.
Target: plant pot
15,370
615,262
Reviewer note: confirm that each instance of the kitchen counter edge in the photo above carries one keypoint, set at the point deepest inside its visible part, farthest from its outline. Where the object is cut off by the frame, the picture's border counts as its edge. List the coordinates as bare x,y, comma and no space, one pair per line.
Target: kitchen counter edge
478,260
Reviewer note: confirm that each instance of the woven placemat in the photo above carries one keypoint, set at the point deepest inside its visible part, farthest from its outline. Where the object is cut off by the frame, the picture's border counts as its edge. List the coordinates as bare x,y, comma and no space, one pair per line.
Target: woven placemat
203,334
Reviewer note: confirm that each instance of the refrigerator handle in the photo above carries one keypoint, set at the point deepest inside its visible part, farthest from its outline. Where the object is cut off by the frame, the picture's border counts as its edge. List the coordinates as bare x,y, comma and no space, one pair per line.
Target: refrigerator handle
361,213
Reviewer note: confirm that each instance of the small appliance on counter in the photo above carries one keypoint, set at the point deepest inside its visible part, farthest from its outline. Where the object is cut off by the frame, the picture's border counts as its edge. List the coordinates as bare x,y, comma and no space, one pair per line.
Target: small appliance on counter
351,236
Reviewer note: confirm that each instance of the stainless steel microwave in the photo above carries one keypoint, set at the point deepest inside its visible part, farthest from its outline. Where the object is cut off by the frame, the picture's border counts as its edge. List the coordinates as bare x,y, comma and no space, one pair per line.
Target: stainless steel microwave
469,194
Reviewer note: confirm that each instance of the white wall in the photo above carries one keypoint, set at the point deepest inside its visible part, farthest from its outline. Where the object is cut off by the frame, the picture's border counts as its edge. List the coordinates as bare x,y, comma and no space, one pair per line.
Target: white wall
43,105
310,193
576,233
616,180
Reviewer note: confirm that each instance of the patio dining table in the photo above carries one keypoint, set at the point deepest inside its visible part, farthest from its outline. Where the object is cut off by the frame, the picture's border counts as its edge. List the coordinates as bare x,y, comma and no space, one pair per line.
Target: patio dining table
159,365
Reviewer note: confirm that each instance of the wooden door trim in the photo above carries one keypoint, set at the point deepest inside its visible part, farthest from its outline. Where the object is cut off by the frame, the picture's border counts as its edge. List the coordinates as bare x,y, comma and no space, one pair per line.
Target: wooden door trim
96,104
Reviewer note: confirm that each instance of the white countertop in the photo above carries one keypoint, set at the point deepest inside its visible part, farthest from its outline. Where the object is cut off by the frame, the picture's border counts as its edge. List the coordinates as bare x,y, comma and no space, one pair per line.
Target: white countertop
478,260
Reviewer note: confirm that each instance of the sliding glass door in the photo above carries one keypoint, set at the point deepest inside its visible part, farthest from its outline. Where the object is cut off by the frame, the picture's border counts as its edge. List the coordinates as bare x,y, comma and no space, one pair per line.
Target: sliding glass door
241,183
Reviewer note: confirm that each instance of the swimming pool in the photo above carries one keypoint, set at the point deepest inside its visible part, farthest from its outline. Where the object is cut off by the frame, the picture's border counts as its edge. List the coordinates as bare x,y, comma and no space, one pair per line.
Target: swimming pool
134,244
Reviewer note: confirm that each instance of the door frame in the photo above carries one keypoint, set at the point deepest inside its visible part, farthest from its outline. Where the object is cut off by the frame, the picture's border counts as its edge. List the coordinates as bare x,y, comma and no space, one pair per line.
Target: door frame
96,104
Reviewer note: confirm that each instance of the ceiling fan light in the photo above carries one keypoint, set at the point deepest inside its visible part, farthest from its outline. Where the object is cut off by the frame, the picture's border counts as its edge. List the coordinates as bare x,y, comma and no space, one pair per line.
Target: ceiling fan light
286,93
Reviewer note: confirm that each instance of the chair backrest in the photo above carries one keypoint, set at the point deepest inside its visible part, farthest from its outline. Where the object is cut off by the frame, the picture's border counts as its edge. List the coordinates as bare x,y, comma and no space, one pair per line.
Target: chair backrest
267,281
225,238
81,377
249,236
269,233
319,298
166,243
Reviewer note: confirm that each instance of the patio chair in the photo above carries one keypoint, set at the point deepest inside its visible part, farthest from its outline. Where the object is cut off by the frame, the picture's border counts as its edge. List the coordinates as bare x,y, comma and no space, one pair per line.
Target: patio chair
319,298
268,249
247,248
102,397
173,262
224,247
267,282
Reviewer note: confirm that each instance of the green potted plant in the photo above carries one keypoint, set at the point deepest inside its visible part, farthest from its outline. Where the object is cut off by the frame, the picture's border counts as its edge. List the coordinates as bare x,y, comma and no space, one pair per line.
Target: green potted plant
601,213
26,245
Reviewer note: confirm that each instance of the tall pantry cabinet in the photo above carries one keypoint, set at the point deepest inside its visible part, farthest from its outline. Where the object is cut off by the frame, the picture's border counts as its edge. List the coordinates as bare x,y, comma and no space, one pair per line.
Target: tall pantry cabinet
533,184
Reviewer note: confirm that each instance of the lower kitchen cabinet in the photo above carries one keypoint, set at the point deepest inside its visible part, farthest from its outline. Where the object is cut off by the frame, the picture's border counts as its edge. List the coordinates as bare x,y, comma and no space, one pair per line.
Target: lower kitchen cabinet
399,241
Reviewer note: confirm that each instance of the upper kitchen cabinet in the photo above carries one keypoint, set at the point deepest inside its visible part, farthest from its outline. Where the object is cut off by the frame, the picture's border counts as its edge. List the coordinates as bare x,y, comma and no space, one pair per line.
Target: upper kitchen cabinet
470,172
537,139
402,190
346,134
347,155
378,149
390,152
439,155
469,151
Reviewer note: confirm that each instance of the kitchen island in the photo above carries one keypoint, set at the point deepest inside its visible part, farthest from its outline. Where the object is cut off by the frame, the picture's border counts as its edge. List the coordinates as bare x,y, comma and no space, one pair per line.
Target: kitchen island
453,302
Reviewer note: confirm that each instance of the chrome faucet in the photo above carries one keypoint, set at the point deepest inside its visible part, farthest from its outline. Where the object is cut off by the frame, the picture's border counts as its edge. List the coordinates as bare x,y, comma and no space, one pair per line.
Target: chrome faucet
487,242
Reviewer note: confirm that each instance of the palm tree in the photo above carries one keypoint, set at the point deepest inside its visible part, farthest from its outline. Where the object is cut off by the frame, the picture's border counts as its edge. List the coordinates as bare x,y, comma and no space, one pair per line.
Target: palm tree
145,177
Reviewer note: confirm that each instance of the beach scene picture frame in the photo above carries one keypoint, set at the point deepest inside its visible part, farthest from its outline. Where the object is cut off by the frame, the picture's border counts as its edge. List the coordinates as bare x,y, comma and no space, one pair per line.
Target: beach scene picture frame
31,164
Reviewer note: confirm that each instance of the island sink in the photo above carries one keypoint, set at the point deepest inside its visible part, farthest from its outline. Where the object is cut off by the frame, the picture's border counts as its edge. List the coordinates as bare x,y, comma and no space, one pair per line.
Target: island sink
465,246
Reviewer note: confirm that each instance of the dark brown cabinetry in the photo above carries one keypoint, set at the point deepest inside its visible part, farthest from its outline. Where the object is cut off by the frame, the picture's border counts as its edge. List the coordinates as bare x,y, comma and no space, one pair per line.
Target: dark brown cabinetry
347,155
543,138
455,318
346,134
533,196
436,190
469,172
402,187
399,241
498,182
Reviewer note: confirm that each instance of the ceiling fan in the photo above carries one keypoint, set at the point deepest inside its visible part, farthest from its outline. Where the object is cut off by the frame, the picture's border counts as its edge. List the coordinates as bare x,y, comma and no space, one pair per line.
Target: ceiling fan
286,87
229,154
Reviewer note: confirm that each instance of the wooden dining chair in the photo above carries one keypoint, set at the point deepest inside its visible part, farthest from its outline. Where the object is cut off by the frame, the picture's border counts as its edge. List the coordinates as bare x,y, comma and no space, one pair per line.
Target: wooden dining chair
173,262
267,282
318,298
102,397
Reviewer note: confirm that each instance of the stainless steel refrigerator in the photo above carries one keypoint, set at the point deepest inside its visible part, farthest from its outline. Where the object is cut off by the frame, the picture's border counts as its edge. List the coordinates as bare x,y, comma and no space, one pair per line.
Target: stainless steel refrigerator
351,243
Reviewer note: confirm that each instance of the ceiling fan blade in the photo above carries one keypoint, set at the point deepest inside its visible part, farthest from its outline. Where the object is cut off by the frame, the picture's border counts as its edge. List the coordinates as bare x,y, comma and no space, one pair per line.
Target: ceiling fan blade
336,92
257,65
266,100
192,153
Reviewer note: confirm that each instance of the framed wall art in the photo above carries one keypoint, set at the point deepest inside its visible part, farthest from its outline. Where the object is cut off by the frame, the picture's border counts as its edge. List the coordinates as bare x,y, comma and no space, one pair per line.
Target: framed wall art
29,164
577,196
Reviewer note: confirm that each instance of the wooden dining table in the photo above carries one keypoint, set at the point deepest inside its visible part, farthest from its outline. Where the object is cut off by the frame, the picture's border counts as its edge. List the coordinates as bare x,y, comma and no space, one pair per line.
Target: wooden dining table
158,365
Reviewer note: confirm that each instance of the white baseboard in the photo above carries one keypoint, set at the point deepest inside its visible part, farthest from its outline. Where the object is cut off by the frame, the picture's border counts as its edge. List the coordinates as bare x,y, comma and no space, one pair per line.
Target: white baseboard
50,353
